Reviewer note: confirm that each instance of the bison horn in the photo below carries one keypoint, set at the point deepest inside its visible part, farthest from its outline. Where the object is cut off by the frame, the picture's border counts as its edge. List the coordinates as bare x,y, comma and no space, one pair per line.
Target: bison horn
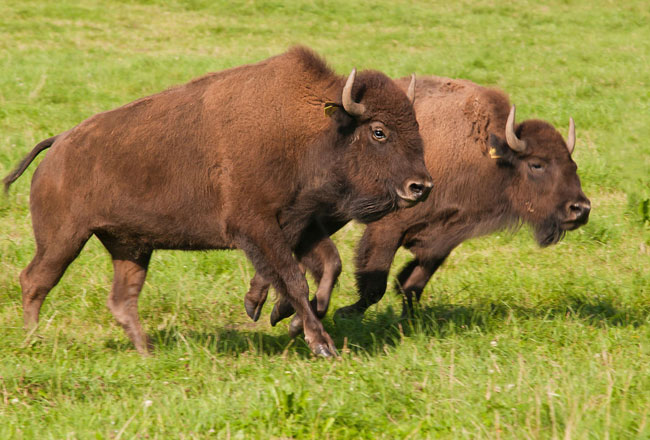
513,141
350,106
411,90
571,140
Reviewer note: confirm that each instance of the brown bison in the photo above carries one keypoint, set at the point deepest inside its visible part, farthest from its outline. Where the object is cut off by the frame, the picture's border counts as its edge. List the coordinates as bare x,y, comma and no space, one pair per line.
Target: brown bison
490,174
246,158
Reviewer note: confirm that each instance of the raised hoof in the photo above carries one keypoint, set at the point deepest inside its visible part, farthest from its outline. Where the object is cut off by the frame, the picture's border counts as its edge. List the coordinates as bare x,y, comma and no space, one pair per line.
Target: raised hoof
281,310
253,310
295,327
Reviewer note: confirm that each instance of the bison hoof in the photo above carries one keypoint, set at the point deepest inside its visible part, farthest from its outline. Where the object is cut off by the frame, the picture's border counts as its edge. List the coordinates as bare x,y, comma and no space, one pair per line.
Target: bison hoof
321,350
145,346
281,310
253,310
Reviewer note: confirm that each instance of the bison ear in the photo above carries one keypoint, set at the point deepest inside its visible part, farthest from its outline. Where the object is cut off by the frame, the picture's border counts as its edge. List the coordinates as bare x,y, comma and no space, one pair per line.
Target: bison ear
337,113
500,151
331,108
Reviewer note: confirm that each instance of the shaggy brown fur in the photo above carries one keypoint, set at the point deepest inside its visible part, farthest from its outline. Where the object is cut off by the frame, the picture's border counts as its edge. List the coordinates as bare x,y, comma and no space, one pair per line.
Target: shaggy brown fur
245,158
475,194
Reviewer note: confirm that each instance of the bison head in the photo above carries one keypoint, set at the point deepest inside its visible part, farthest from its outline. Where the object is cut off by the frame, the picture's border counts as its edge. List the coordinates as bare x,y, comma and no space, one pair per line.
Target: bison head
545,189
381,160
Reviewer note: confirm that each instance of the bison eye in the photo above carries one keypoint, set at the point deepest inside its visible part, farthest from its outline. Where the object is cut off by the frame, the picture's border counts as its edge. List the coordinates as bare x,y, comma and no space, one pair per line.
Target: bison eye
378,134
536,167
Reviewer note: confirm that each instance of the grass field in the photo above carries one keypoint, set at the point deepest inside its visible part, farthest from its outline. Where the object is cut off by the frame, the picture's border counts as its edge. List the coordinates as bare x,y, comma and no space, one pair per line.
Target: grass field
512,341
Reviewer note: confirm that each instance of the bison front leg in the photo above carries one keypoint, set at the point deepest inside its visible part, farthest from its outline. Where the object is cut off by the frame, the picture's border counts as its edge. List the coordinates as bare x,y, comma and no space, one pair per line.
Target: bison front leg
375,255
256,296
272,257
324,262
317,253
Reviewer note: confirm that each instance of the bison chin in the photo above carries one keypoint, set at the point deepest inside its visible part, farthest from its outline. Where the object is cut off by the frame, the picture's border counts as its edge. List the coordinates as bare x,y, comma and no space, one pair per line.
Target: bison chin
549,232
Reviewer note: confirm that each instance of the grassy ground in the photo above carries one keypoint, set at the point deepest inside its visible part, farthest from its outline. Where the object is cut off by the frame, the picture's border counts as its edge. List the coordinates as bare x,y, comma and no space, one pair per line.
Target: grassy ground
511,342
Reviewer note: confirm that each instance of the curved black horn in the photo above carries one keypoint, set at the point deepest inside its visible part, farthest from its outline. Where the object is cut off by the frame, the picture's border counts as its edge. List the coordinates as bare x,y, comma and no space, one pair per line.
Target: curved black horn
513,141
350,106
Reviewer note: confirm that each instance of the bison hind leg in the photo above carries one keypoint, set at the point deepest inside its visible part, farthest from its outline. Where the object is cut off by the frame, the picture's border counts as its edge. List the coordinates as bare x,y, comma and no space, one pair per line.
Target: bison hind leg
54,253
130,263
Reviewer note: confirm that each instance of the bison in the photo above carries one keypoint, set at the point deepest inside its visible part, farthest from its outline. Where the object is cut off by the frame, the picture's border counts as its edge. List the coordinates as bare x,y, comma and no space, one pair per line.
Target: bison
490,173
246,158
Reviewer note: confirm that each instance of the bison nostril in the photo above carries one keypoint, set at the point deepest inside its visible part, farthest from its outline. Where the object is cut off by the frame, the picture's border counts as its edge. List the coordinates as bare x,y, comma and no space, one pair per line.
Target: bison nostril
417,189
580,210
576,208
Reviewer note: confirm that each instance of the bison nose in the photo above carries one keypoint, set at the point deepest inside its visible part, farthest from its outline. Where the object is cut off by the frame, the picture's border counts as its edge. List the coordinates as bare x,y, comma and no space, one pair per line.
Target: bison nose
579,211
417,190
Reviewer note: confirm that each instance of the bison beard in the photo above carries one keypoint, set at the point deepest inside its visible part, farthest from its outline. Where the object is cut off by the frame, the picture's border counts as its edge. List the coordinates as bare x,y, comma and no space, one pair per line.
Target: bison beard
549,232
367,210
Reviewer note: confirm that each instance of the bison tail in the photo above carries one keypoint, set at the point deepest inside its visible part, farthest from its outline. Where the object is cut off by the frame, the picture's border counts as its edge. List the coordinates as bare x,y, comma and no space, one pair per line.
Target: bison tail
22,166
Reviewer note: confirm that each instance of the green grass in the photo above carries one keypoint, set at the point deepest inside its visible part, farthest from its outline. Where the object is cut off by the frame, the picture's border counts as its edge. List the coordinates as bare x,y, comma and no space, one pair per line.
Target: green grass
511,341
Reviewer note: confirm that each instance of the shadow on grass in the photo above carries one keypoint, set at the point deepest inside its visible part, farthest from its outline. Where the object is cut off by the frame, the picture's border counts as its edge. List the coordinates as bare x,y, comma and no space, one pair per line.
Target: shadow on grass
439,320
228,341
370,334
